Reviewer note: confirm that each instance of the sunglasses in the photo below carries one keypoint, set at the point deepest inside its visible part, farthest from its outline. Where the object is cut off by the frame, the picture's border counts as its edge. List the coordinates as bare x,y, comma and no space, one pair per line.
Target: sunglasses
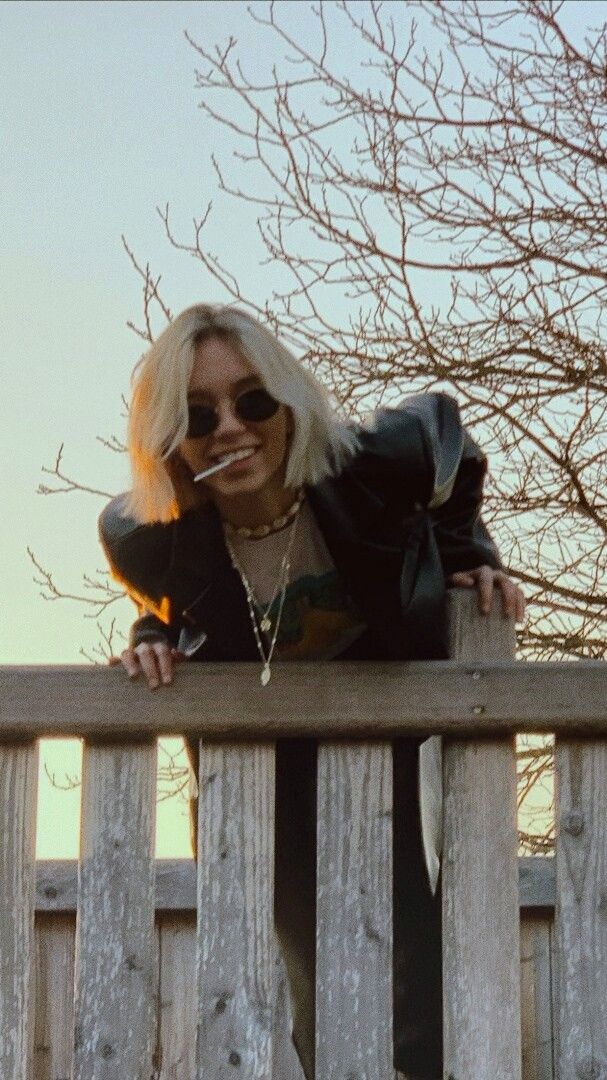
252,405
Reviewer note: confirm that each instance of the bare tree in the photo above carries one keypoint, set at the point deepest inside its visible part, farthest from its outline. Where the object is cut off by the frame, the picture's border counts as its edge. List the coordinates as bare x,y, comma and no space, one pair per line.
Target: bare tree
437,205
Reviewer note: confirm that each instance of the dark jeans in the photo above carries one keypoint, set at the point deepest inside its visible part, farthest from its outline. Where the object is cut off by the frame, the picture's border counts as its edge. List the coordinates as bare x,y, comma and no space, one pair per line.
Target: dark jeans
417,914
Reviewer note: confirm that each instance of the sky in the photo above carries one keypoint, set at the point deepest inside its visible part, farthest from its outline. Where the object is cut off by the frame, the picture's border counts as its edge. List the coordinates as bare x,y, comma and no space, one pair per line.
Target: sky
99,125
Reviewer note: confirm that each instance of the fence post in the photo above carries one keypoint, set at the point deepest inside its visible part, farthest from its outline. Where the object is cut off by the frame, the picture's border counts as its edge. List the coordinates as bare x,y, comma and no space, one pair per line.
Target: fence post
116,966
481,921
580,918
354,912
18,795
235,901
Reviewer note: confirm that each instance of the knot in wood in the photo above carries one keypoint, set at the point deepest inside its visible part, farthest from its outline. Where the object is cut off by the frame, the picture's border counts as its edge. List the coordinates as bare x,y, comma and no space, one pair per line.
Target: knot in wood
220,1005
234,1058
573,822
107,1050
50,891
592,1068
370,932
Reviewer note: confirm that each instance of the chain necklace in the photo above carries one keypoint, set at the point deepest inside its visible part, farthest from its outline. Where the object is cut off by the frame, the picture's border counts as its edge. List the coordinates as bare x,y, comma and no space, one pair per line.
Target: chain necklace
265,623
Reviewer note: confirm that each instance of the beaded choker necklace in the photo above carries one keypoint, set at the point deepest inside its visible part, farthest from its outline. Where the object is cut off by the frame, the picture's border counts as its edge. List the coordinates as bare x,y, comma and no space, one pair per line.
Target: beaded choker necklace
257,532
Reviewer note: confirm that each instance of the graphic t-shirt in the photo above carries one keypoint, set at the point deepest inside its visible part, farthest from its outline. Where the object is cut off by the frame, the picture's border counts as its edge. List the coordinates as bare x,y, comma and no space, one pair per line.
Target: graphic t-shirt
319,619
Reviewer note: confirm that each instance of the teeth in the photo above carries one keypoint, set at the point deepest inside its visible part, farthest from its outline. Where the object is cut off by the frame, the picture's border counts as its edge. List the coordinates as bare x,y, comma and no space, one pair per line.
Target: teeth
239,455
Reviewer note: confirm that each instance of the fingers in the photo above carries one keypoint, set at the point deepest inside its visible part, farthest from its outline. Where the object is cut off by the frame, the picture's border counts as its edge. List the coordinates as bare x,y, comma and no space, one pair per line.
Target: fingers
484,581
461,577
513,598
485,578
156,659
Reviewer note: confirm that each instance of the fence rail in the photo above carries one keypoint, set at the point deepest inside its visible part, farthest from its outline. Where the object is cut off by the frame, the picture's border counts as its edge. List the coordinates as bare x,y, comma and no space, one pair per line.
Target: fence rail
477,700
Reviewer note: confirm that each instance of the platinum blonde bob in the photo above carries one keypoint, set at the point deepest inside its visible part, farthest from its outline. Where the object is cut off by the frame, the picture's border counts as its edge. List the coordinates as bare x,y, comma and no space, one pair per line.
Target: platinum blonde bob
162,486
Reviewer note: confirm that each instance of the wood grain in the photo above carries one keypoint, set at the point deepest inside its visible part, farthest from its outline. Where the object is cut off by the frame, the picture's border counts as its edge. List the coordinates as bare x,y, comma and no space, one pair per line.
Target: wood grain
18,794
581,908
326,699
236,947
354,912
115,1008
481,965
57,884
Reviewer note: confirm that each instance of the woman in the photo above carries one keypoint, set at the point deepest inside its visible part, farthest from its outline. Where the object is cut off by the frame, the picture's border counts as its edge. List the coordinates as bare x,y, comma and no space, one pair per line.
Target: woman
321,540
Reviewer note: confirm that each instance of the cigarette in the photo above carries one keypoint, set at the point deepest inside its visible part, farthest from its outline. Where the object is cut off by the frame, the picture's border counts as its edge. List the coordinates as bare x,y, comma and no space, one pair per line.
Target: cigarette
218,465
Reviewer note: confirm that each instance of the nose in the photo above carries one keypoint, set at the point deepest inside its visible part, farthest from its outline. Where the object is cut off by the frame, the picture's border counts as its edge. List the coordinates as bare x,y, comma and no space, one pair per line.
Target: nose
229,423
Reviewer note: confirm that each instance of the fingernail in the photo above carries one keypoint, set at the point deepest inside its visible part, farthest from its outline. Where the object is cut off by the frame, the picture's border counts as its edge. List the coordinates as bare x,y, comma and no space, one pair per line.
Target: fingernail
166,679
153,684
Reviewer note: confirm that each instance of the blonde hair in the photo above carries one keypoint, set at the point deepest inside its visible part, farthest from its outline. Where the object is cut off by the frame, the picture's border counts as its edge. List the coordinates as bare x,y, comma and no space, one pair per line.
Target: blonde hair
162,485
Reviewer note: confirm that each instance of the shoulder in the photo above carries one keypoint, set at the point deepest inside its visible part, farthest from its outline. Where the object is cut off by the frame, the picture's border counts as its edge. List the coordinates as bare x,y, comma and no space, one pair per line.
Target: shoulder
421,438
427,421
136,553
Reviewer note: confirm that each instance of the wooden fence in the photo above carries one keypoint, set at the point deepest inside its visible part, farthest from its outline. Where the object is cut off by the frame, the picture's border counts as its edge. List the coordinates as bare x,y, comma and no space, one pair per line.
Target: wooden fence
169,974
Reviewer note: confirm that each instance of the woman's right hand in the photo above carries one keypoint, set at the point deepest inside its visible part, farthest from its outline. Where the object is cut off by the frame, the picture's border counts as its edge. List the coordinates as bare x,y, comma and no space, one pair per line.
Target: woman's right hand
156,659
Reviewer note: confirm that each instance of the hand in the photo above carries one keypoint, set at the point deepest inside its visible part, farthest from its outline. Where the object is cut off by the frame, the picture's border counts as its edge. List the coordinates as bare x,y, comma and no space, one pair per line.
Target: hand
155,658
484,578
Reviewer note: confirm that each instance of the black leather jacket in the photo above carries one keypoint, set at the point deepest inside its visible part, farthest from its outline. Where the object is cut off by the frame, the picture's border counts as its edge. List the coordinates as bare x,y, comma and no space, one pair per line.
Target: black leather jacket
403,515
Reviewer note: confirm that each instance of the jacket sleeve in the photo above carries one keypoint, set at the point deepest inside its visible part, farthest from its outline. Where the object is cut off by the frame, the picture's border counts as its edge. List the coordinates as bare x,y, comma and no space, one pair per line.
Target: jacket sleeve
148,627
463,540
137,558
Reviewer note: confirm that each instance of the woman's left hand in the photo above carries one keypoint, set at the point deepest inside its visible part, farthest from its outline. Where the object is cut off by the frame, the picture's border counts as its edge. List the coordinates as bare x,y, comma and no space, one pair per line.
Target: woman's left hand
484,578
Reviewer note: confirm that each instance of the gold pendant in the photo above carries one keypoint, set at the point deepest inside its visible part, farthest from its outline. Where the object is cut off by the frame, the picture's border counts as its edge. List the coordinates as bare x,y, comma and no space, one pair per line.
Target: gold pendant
265,676
265,623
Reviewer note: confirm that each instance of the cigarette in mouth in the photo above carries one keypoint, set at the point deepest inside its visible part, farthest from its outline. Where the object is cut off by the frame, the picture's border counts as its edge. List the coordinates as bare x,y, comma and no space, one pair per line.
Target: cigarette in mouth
218,465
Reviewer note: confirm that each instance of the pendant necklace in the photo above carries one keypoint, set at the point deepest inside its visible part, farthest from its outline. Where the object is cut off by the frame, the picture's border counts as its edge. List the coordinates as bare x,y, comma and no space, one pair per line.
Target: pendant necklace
265,623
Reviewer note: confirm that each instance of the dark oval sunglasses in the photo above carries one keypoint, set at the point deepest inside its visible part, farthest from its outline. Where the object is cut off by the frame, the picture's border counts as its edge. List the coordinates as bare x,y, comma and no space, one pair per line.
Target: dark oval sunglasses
252,405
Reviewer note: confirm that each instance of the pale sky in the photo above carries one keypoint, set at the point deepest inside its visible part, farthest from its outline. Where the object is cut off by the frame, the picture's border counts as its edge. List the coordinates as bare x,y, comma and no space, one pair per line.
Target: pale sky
99,125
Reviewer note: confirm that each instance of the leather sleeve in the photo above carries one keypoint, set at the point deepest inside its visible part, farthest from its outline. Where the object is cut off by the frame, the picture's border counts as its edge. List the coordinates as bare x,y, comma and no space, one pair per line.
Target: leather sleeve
463,540
148,627
138,557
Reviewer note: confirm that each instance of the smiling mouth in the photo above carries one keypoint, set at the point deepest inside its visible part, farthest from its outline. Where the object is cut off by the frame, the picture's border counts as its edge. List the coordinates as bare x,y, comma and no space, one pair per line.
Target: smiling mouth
235,455
226,460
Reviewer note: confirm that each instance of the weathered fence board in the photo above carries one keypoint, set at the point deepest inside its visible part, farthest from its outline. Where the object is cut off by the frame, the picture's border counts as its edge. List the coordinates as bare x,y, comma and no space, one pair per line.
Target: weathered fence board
176,1046
236,945
581,908
354,912
175,1053
57,884
54,1030
18,794
114,1009
481,966
536,1007
351,699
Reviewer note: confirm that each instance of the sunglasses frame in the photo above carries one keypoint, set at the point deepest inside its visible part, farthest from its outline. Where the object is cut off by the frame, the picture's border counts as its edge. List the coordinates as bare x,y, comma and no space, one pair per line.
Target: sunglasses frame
248,420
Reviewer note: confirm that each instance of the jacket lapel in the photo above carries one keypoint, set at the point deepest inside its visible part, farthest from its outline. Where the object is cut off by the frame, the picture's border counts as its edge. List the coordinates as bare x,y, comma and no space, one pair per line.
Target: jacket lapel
206,592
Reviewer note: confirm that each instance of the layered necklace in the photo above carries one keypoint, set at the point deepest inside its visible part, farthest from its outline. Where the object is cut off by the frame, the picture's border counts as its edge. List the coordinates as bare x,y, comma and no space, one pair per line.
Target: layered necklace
263,622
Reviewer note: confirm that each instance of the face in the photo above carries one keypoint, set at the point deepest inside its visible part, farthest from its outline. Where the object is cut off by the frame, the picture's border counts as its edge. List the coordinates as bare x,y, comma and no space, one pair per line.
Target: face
219,375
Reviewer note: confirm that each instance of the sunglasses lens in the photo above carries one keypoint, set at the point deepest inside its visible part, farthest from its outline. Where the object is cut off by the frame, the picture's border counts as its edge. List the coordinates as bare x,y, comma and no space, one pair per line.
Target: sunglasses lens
256,405
253,405
202,419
